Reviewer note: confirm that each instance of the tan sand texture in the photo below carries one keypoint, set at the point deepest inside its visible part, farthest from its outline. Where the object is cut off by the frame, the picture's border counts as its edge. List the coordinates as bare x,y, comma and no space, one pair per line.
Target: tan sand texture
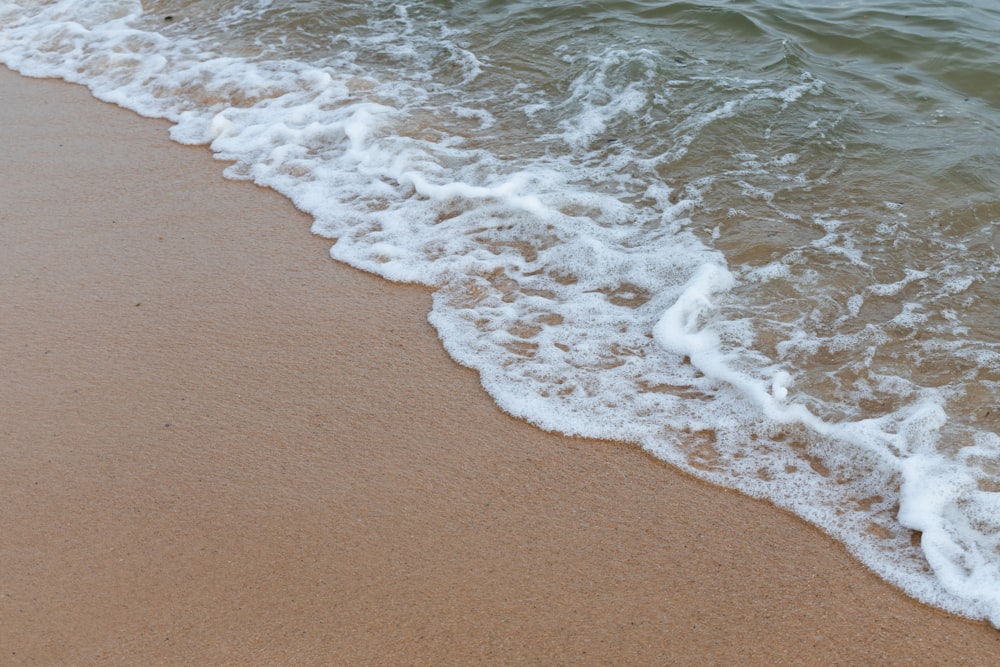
218,447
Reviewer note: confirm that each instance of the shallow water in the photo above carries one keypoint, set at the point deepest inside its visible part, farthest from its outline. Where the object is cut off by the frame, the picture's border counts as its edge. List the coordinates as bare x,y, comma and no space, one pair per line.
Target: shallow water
757,238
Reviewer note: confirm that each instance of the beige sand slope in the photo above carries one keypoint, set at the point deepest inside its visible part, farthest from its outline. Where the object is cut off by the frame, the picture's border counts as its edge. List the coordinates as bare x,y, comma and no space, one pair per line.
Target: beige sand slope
219,447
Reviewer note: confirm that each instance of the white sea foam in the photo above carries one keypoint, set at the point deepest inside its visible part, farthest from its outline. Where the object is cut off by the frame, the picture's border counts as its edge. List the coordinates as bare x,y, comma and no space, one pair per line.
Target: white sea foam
577,237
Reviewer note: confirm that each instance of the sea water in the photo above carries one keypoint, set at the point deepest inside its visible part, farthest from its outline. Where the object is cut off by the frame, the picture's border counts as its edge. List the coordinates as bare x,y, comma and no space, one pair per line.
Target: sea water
756,237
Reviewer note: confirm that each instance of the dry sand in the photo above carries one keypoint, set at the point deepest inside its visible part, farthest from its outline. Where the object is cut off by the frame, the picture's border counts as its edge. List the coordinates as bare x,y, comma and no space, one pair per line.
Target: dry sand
220,447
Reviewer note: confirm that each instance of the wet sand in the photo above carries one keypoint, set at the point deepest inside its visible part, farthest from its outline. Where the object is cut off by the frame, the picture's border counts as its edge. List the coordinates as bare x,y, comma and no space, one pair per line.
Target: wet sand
219,447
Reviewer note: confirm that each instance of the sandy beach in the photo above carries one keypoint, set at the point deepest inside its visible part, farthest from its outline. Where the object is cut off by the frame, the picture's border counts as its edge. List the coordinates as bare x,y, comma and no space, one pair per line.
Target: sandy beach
220,447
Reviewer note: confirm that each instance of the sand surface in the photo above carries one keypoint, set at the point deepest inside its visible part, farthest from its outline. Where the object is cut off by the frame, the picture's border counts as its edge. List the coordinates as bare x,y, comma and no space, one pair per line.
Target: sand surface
219,447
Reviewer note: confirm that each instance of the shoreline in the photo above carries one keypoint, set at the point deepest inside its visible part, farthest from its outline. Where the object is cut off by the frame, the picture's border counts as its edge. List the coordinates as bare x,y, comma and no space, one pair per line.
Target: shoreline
221,447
